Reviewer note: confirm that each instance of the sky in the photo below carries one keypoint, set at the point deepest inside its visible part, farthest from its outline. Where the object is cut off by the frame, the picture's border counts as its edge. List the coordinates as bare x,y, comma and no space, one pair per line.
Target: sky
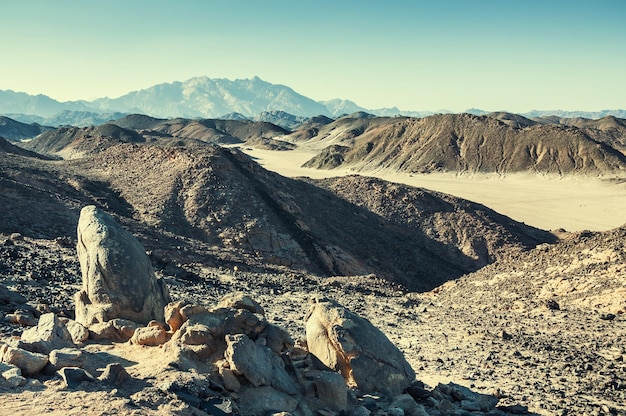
415,55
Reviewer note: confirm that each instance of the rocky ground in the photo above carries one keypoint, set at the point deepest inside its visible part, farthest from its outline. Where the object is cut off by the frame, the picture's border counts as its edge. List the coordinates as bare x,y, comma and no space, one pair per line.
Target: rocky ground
543,330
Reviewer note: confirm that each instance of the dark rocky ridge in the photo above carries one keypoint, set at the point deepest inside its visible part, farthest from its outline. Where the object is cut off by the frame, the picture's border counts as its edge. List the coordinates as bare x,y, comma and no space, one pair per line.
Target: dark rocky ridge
15,131
222,198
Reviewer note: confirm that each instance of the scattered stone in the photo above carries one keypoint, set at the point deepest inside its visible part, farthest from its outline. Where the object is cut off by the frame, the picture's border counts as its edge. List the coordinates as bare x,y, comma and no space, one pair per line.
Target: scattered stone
14,377
16,237
114,374
231,383
21,317
150,335
330,391
240,300
172,315
77,331
74,376
405,402
30,363
516,409
48,335
248,359
10,297
118,280
607,316
66,357
113,330
552,305
357,349
276,338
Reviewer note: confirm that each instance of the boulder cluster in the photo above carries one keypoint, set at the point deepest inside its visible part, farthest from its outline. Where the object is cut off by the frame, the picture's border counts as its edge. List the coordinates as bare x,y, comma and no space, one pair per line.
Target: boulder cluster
345,364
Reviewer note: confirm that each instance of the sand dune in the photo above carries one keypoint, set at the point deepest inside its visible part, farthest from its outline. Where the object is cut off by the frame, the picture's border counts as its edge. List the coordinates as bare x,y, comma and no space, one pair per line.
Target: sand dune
549,202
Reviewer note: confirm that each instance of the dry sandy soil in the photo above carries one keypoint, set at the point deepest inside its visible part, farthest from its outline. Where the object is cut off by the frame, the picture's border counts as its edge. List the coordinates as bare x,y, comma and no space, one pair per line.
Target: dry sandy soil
549,202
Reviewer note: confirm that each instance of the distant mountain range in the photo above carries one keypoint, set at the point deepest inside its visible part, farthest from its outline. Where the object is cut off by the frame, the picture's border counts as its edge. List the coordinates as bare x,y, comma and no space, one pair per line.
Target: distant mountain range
204,97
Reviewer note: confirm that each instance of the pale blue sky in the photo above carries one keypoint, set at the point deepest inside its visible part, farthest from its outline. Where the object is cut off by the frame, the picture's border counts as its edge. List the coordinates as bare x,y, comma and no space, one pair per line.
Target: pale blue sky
416,55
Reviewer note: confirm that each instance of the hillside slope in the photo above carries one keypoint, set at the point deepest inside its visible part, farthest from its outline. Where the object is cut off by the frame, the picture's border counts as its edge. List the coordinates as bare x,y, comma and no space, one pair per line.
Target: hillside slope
466,143
221,198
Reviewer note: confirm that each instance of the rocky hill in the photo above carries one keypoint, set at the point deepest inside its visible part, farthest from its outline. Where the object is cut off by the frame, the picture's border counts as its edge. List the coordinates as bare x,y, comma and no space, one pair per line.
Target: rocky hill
467,143
75,142
222,198
14,130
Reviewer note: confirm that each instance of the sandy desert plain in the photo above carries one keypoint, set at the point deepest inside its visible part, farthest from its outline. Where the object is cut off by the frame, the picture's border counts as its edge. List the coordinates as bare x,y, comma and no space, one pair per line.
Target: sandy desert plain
546,201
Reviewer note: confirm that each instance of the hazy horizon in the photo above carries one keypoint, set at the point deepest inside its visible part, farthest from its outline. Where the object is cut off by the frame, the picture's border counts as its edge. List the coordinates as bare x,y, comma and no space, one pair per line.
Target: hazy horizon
414,55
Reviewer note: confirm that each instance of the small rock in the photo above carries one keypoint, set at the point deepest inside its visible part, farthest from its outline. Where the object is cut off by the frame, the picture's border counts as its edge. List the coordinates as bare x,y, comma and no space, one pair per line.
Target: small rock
172,315
114,374
49,334
470,405
113,330
406,403
73,376
395,411
150,335
231,383
66,357
16,237
552,305
29,362
13,375
607,316
240,300
77,331
21,317
248,359
445,406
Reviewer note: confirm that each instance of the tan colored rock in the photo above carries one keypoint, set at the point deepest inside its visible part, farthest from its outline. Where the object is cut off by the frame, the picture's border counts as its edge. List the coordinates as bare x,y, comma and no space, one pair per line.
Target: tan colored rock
351,345
21,317
113,330
49,334
114,374
118,280
30,363
150,336
77,331
172,315
239,300
66,357
195,334
13,376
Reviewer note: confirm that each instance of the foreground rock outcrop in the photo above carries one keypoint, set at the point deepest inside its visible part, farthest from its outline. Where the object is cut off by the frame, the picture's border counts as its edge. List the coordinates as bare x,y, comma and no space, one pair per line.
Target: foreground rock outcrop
118,280
357,349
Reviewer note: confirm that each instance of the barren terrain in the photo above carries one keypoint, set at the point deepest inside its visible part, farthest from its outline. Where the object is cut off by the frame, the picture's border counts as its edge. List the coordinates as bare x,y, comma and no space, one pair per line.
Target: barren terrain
549,202
470,296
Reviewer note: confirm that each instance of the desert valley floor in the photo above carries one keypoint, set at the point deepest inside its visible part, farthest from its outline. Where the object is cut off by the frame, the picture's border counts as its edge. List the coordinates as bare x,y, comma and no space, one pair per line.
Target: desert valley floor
547,201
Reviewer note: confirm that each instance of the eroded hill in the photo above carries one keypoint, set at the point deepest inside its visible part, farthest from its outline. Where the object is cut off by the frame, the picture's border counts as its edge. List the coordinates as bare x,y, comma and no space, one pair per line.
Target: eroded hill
467,143
223,199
